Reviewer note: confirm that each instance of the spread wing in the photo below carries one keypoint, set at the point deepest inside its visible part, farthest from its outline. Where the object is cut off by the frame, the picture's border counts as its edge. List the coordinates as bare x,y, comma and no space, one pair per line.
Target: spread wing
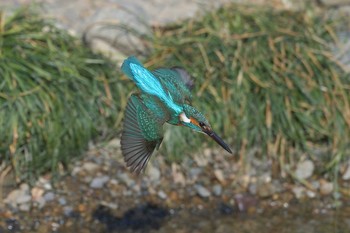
177,82
142,133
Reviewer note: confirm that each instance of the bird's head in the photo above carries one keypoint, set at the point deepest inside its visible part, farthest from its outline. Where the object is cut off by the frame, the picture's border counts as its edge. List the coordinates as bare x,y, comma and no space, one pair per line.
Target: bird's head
195,120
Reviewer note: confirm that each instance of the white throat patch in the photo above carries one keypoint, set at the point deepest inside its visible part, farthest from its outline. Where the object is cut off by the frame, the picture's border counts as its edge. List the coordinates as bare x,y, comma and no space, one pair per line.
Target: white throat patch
184,118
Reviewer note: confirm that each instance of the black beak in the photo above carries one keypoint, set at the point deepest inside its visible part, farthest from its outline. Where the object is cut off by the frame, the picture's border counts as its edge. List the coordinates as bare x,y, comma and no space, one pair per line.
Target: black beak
221,142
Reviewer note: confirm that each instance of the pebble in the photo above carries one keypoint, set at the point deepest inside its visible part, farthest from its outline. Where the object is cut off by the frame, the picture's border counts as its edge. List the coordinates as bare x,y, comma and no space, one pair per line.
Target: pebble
305,169
177,175
37,193
315,184
310,194
67,210
44,183
40,202
11,198
62,201
153,173
326,187
124,178
18,196
220,176
87,179
50,196
25,207
253,188
346,174
75,171
114,143
90,167
265,190
194,172
110,205
245,203
264,178
217,190
202,191
24,187
201,160
99,182
23,198
298,191
162,195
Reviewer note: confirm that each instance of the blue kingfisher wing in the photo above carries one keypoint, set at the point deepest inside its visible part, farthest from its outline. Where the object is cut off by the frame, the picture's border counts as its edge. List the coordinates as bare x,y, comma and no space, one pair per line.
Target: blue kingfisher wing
148,83
142,133
177,82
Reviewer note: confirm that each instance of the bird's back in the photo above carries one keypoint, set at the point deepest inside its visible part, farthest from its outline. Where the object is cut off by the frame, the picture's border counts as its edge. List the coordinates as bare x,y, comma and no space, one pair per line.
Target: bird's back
149,84
174,83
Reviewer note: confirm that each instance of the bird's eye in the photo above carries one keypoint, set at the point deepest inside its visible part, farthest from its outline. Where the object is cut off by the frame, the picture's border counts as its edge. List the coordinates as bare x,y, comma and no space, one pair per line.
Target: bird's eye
201,124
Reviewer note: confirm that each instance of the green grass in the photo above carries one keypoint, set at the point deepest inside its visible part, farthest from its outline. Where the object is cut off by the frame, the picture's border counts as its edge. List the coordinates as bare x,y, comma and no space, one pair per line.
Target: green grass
265,79
55,95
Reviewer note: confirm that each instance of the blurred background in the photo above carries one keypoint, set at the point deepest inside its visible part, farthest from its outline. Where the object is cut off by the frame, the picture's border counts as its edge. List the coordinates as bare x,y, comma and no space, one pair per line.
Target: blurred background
273,78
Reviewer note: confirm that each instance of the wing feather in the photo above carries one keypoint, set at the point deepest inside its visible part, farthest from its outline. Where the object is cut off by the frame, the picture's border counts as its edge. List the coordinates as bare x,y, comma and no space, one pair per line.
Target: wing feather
137,143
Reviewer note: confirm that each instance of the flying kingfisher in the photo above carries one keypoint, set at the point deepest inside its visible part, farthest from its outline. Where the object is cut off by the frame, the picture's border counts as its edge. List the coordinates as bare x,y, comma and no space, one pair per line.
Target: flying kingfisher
164,97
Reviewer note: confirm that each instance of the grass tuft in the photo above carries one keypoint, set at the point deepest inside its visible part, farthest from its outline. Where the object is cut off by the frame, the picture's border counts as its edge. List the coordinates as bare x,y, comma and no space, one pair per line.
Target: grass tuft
264,78
55,95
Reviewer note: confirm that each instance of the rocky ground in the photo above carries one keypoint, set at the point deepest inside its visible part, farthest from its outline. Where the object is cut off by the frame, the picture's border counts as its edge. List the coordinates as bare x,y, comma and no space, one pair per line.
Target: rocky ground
98,188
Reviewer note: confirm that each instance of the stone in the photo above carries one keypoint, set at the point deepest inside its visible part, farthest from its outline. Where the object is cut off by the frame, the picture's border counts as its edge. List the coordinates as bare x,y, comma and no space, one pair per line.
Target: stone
310,194
62,201
75,171
219,175
125,179
202,191
326,187
162,195
217,190
25,207
50,196
245,203
114,143
299,191
24,187
201,160
110,205
153,173
67,210
44,183
265,190
315,184
23,198
40,202
346,174
194,172
304,169
253,188
37,193
18,196
178,176
90,167
99,182
11,198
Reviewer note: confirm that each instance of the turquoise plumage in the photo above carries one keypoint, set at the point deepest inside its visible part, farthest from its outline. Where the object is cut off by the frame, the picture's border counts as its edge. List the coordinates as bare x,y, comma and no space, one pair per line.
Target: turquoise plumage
164,97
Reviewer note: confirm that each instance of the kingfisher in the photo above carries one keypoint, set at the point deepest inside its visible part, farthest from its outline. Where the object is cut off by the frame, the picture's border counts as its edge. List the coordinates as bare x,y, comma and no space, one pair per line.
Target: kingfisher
164,97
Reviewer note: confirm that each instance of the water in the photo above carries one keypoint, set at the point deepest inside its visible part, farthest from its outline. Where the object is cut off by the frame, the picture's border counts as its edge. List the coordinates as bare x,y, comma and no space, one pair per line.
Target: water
298,218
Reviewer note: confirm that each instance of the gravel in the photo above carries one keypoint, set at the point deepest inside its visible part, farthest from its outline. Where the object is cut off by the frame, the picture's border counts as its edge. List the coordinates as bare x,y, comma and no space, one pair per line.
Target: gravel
202,191
305,169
